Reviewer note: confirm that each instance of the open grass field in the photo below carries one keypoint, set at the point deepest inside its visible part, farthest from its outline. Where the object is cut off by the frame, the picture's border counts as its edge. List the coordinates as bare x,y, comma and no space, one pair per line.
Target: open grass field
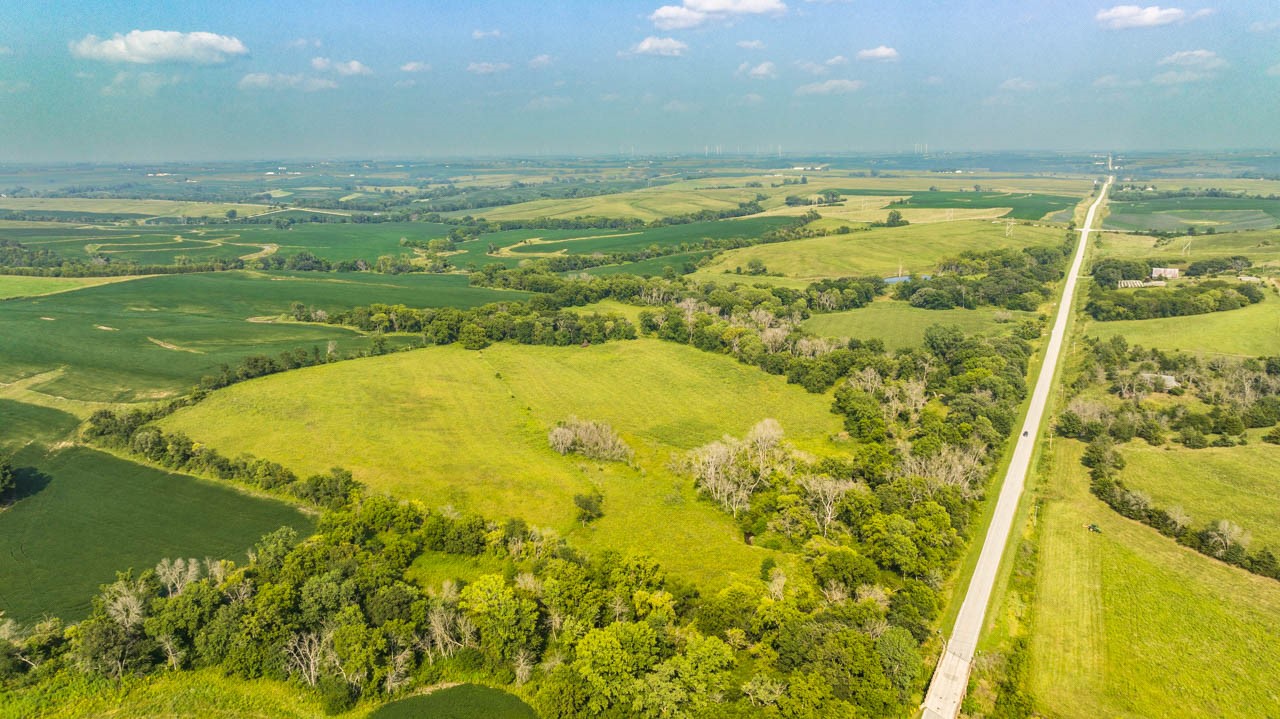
83,515
139,208
1129,624
195,694
1262,247
152,337
16,286
1252,331
653,266
899,324
881,251
465,701
468,429
1239,484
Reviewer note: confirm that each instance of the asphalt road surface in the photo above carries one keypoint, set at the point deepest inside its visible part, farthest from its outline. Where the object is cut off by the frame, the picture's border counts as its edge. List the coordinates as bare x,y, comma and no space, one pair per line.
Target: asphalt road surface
951,678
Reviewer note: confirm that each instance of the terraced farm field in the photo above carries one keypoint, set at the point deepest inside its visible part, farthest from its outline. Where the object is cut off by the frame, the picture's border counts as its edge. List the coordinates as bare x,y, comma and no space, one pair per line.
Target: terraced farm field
156,336
469,429
135,208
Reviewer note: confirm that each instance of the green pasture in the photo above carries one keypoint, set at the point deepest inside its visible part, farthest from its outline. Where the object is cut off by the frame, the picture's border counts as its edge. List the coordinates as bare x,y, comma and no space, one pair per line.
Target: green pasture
1129,624
899,325
83,515
1238,484
449,426
1252,331
156,336
882,251
653,266
465,701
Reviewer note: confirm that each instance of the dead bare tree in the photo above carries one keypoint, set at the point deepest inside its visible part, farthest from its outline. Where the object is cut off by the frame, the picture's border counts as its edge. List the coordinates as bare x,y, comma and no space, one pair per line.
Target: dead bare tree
305,655
824,494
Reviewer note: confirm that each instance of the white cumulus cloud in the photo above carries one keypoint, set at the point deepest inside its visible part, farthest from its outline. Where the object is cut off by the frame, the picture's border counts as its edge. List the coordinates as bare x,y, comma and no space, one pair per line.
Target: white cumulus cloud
1202,59
346,69
837,60
692,13
1181,77
830,87
1114,82
547,102
752,98
664,46
882,53
751,44
266,81
485,34
141,83
415,66
1264,26
811,67
1017,84
147,47
540,61
487,68
1123,17
763,71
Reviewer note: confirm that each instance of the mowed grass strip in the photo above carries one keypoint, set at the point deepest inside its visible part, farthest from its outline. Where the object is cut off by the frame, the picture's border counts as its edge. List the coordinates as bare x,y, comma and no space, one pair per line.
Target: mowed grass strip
1239,484
109,337
1129,624
899,325
83,515
469,429
882,251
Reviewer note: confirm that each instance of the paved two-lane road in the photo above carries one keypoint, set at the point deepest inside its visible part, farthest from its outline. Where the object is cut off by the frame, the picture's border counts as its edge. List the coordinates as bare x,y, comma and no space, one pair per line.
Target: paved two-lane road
951,678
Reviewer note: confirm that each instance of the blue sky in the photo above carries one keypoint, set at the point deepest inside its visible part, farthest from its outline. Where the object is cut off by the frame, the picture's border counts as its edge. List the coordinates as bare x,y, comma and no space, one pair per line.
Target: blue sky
211,80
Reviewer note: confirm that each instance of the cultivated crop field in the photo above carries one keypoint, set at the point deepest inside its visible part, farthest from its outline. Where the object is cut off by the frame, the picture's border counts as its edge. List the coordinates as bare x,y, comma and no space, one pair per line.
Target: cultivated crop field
1262,247
1129,624
592,241
18,286
1225,214
333,241
646,204
899,325
84,515
469,429
881,251
156,336
1019,205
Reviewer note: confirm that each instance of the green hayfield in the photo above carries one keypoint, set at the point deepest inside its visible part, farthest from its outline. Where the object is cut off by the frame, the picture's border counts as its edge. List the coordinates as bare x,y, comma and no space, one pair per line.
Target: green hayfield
86,515
648,204
1253,331
914,248
591,241
16,286
466,701
1129,624
1234,483
145,208
108,338
468,429
1262,247
1022,205
899,324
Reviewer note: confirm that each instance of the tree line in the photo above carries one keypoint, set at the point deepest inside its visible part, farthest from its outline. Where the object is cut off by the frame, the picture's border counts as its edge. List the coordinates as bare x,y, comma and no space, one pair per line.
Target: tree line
1012,279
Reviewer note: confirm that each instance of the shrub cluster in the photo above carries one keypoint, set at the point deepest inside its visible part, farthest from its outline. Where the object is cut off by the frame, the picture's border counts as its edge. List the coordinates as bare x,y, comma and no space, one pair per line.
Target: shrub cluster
595,440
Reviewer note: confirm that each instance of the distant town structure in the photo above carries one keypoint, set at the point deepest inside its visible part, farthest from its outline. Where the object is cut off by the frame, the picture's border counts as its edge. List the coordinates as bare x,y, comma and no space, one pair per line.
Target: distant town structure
1168,273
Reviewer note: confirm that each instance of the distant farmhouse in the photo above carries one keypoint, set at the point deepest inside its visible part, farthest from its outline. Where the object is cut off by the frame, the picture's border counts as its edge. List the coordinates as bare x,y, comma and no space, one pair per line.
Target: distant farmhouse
1168,273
